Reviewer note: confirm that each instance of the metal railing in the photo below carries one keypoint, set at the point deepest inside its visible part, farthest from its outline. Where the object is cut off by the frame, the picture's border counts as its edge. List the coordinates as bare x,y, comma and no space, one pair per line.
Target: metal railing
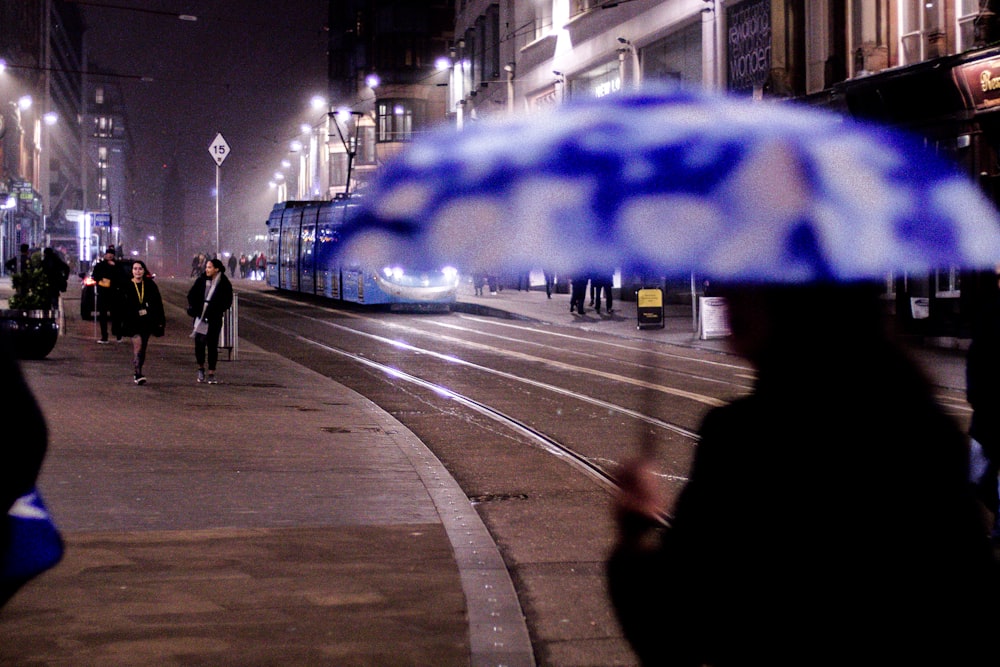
229,337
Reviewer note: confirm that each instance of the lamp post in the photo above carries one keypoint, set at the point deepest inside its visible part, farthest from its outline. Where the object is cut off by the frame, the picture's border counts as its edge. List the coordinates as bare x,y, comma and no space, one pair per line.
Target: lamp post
628,46
280,187
346,116
509,68
148,239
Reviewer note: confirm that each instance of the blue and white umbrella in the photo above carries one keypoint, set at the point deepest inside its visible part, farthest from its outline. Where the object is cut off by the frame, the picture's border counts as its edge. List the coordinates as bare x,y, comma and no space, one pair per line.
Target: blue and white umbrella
672,182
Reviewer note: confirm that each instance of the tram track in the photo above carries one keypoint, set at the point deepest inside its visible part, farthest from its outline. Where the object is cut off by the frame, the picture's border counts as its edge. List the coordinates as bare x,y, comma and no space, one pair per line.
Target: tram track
550,532
560,450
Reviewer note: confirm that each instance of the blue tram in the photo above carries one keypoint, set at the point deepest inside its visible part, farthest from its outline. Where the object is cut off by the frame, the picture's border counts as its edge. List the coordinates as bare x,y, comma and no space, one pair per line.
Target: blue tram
302,240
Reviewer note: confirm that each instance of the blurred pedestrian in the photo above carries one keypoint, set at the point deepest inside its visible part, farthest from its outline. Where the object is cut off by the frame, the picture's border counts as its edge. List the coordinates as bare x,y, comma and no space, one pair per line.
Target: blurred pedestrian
983,393
602,284
208,300
142,315
578,293
19,263
56,275
550,282
827,518
243,265
232,265
261,266
108,280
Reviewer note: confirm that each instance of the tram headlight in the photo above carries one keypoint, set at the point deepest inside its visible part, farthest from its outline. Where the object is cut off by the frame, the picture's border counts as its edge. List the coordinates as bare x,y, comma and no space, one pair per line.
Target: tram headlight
450,274
394,273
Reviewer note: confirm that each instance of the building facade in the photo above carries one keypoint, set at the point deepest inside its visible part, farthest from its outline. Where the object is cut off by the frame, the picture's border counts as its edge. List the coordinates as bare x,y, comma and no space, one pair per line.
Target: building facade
385,88
553,50
108,175
42,166
926,66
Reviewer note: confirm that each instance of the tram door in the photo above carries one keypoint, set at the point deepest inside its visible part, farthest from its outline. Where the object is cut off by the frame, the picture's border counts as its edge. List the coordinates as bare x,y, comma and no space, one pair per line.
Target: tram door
288,249
273,238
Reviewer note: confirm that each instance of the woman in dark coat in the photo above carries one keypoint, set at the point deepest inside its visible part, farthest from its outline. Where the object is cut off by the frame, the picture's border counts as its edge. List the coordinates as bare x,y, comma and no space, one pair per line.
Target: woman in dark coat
142,315
828,518
209,299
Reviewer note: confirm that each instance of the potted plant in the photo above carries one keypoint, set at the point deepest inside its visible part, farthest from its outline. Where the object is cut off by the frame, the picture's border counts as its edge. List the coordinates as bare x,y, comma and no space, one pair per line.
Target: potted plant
29,325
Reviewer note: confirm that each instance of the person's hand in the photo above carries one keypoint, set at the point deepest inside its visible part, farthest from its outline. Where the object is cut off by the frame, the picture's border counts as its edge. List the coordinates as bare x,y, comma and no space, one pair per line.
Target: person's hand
640,503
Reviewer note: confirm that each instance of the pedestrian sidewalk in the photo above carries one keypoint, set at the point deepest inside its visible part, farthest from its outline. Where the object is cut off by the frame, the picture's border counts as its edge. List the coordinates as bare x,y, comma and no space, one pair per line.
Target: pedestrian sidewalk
275,518
943,361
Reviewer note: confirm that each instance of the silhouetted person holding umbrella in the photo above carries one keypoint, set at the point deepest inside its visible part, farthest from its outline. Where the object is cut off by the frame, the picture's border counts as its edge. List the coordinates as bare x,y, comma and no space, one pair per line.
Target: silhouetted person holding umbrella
827,518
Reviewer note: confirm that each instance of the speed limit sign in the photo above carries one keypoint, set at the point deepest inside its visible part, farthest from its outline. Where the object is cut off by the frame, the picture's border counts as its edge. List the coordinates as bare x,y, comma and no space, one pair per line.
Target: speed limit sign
219,150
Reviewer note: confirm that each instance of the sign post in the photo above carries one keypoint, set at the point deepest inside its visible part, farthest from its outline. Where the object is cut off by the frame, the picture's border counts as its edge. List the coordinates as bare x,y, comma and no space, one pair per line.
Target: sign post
219,150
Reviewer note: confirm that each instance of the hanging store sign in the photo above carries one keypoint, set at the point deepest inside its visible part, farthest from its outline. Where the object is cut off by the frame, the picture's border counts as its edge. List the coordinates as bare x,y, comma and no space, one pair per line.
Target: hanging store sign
749,44
980,81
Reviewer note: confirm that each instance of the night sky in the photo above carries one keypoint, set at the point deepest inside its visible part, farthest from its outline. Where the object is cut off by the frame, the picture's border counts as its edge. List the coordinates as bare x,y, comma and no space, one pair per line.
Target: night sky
245,68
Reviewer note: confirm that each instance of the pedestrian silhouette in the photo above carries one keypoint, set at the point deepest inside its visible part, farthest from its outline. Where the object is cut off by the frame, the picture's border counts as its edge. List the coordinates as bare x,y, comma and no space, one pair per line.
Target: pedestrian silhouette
56,274
602,284
578,292
983,393
827,518
108,278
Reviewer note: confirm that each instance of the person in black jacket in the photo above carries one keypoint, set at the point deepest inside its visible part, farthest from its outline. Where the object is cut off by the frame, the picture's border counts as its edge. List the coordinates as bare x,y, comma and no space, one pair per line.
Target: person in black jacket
57,274
208,300
142,316
109,278
982,382
827,518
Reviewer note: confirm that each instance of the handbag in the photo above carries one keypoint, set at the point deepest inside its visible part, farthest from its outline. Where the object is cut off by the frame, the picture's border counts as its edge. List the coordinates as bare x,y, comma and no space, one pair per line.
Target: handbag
200,327
104,282
35,543
200,323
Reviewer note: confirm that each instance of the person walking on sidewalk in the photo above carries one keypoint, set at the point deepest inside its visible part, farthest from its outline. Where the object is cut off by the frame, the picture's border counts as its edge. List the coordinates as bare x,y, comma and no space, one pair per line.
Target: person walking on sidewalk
108,278
602,284
142,315
550,282
208,300
578,292
20,263
57,273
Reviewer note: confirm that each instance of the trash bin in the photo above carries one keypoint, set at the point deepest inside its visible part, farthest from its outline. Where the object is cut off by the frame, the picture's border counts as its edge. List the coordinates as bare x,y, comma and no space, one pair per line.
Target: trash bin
229,337
649,308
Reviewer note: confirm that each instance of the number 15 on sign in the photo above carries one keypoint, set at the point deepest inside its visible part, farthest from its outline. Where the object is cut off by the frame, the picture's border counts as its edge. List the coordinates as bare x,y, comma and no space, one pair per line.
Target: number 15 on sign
219,150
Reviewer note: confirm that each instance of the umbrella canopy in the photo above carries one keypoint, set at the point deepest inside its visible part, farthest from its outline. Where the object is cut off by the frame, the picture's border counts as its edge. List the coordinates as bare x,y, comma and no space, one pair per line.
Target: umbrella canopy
670,182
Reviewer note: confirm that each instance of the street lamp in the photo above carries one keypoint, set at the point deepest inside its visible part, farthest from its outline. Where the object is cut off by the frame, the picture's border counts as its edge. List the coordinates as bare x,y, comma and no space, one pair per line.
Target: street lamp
345,116
509,68
636,73
148,239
